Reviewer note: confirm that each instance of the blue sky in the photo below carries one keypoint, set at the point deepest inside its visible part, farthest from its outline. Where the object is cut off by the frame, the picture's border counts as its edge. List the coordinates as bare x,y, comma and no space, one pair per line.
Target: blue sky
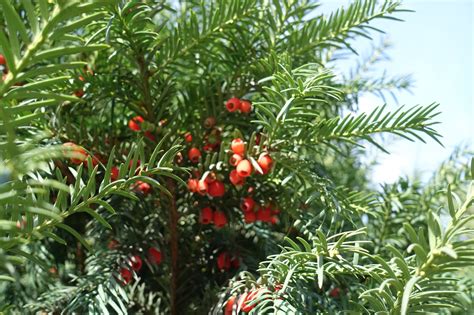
435,45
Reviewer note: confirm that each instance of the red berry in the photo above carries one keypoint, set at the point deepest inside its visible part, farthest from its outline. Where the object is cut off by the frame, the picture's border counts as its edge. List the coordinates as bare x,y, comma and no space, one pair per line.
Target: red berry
3,61
235,261
238,146
194,154
216,189
223,261
233,104
202,187
193,184
265,162
209,122
211,177
143,187
274,220
250,217
135,123
247,298
150,136
114,173
220,220
79,93
335,292
245,106
235,159
244,168
136,262
126,275
80,154
208,148
241,303
264,214
229,306
235,179
188,137
206,216
247,204
154,256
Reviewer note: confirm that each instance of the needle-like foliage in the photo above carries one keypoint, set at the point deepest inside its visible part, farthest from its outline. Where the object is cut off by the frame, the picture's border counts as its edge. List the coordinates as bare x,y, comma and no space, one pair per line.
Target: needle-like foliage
110,112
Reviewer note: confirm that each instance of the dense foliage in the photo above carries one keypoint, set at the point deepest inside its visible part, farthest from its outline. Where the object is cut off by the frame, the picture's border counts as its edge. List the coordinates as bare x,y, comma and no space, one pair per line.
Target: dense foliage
194,157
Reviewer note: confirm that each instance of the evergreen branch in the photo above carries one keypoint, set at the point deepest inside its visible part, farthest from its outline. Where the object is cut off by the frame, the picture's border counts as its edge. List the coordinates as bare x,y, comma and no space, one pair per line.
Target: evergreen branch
438,252
74,234
32,54
361,79
291,110
420,282
379,85
220,18
335,30
292,98
402,123
96,292
303,264
43,218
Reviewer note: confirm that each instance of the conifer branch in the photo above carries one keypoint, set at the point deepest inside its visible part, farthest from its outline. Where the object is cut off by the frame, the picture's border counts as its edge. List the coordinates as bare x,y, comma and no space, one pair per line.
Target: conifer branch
340,25
402,123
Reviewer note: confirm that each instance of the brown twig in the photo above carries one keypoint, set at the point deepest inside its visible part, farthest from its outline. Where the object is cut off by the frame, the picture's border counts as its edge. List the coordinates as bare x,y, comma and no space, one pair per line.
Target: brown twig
173,245
65,172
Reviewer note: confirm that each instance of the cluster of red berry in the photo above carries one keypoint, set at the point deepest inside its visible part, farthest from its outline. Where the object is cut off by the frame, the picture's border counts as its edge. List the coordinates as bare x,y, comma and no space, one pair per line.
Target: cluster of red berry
138,124
135,263
210,186
253,213
225,261
213,185
235,104
208,216
245,301
243,167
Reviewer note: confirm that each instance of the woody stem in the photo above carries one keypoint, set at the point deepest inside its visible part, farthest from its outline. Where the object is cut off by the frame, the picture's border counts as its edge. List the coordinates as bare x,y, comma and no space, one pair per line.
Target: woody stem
173,246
